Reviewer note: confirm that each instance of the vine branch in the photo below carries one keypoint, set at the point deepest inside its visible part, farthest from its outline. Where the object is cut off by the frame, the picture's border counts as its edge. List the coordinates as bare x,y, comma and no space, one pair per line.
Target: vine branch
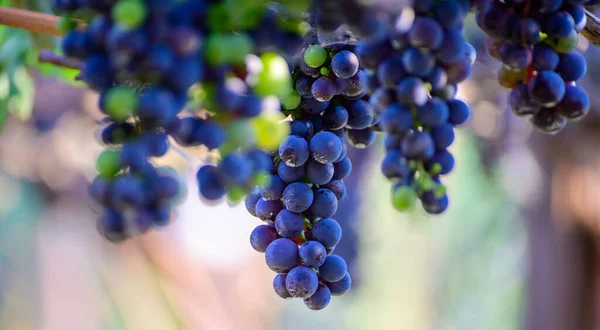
592,28
32,21
48,56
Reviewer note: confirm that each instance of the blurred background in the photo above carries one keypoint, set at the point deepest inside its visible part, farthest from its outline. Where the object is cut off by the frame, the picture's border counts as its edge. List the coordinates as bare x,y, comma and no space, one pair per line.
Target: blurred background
516,250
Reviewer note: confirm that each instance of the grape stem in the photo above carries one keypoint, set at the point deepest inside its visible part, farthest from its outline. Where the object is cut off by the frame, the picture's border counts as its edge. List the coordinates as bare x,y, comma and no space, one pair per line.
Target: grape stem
592,28
32,21
48,56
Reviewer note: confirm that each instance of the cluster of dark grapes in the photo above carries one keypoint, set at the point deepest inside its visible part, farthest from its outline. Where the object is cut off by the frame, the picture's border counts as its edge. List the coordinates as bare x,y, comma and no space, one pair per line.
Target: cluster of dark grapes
414,66
297,202
302,192
151,59
134,70
536,42
135,195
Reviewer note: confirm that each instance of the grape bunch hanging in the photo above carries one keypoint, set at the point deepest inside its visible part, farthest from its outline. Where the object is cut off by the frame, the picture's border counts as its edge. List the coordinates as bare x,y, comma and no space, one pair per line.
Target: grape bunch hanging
301,194
203,74
536,41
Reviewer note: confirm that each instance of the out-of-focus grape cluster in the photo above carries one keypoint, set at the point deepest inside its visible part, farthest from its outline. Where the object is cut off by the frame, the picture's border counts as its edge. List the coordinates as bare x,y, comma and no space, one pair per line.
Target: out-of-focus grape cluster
536,43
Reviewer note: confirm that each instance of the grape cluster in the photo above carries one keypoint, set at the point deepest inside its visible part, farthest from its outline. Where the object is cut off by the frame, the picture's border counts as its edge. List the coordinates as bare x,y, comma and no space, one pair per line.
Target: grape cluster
151,59
297,201
134,200
134,194
536,42
414,66
300,235
306,182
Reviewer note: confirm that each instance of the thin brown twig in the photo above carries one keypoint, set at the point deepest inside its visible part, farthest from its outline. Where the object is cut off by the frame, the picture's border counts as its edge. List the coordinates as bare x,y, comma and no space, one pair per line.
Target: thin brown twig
32,21
48,56
592,28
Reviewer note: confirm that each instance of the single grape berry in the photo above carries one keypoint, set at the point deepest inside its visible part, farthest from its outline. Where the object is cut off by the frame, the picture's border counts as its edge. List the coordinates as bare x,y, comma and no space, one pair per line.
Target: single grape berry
297,197
279,286
323,89
549,121
312,254
282,255
340,287
325,147
289,224
273,188
575,105
547,88
344,64
318,173
268,210
333,269
320,299
403,198
301,282
261,237
294,151
327,232
324,203
315,56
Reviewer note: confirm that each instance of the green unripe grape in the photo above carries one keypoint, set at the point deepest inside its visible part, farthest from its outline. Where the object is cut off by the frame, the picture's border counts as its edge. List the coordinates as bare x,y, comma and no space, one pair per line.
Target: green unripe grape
216,49
440,191
269,130
426,183
565,44
66,24
120,103
129,13
236,193
242,46
221,48
404,198
274,79
509,78
436,169
240,134
108,163
325,71
291,100
315,56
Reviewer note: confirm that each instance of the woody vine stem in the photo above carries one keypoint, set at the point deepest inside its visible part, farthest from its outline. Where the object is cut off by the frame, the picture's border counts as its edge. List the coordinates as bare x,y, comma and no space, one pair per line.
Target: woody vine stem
48,24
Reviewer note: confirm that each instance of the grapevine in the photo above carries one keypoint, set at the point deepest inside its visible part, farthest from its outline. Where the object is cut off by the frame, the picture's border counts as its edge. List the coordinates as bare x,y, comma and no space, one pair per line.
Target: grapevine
205,74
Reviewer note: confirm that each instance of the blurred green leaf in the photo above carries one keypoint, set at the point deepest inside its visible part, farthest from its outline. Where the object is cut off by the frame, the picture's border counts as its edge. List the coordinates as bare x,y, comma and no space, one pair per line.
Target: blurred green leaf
16,93
21,103
15,46
3,114
65,75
